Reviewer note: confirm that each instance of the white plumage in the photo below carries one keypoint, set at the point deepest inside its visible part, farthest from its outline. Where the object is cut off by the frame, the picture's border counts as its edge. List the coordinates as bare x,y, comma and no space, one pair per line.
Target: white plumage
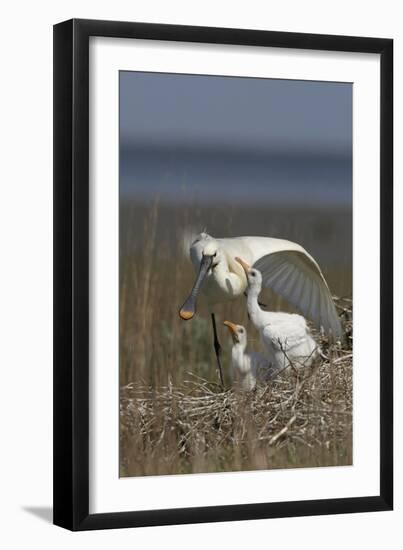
247,367
286,268
286,336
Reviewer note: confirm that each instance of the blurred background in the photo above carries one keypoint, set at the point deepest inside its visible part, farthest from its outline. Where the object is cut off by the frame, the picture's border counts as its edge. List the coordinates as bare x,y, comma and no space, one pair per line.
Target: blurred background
232,156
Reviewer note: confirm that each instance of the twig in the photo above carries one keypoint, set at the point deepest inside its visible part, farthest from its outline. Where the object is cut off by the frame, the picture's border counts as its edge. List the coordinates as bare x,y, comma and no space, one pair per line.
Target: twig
273,439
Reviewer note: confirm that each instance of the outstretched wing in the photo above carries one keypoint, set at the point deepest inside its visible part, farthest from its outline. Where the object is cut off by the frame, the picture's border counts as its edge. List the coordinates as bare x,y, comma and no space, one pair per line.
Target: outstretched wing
288,269
297,277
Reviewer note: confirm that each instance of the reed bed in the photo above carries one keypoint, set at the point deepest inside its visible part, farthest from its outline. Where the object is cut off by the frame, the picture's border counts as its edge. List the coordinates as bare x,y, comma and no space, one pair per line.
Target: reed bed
302,418
174,417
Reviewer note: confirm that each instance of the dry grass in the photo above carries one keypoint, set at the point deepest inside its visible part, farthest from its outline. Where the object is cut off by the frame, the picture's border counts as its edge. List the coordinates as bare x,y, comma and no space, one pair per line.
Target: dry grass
301,419
292,422
174,417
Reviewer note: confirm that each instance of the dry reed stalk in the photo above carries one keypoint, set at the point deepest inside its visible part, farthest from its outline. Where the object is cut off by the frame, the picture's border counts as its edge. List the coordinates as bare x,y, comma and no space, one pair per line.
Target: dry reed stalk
197,428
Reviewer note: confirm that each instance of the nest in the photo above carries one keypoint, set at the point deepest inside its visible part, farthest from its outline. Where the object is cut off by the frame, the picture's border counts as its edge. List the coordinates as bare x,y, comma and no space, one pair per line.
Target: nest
299,419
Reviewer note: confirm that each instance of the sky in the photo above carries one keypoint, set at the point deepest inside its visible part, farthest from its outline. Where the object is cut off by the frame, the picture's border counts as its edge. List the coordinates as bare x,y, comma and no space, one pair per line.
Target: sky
205,138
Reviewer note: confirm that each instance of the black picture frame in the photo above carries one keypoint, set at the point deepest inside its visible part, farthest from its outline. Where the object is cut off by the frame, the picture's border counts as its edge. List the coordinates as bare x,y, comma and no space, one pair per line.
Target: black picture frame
71,274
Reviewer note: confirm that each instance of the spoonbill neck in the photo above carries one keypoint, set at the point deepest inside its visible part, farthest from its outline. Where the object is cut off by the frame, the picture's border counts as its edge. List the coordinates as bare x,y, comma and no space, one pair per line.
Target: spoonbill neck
239,348
258,316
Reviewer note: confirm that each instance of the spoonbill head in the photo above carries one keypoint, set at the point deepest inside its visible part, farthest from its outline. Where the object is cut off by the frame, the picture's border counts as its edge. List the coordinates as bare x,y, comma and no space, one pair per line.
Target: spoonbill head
253,276
217,274
238,333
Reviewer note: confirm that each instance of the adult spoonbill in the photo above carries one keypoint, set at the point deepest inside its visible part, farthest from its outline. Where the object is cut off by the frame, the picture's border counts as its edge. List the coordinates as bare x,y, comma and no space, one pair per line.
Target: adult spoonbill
286,268
247,367
286,336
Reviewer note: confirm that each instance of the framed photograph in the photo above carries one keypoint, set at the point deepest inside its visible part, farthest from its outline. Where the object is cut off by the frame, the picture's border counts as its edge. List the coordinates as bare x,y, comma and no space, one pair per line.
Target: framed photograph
223,322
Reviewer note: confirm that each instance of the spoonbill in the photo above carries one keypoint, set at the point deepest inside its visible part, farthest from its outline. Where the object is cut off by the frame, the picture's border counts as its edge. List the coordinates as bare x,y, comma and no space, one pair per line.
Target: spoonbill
286,336
286,268
247,367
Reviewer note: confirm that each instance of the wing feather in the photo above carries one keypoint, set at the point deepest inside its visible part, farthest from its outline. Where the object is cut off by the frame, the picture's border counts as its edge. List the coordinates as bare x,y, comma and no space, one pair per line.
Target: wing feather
301,284
313,298
278,269
295,294
288,281
315,302
293,286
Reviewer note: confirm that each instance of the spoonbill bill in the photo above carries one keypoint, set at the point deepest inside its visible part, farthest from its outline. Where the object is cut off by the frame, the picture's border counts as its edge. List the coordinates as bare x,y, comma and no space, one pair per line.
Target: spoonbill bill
286,336
247,367
286,268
